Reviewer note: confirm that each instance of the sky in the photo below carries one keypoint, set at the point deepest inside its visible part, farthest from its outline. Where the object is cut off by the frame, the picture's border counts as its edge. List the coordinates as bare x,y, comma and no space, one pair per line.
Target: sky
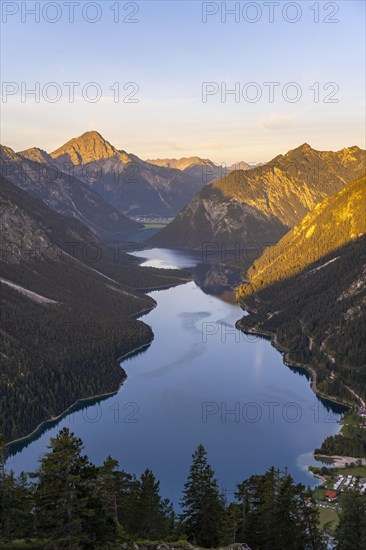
154,77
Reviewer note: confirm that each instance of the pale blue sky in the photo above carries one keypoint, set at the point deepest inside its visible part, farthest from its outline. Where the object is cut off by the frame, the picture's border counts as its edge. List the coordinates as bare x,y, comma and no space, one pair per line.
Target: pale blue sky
169,52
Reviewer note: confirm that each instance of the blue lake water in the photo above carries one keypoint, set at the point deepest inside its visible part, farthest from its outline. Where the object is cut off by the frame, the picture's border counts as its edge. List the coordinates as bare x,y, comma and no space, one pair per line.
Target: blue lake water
200,381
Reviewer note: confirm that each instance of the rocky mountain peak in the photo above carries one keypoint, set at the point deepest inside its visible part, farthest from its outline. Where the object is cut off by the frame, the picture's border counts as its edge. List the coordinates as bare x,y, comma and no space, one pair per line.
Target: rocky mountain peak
88,147
36,154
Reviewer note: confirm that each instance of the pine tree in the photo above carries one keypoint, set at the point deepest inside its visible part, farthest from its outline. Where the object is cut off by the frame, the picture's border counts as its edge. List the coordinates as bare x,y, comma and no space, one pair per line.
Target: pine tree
69,511
202,504
150,507
351,531
109,486
277,514
231,523
309,514
8,512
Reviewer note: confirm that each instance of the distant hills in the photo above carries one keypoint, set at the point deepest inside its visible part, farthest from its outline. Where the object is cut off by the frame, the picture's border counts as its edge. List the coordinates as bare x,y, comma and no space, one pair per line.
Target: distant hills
204,169
260,205
331,224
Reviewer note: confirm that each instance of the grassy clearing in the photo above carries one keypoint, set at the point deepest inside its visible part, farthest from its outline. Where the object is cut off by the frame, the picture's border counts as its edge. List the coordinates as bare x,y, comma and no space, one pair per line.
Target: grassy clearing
328,519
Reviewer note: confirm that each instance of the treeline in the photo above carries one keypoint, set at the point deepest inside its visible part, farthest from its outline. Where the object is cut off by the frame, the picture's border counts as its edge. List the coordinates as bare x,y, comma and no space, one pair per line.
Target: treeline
319,318
350,442
71,503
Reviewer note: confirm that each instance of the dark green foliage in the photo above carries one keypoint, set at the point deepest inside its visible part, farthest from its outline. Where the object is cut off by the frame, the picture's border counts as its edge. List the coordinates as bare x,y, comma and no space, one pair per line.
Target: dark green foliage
152,513
75,505
336,221
72,504
320,324
277,514
352,443
67,507
202,505
351,531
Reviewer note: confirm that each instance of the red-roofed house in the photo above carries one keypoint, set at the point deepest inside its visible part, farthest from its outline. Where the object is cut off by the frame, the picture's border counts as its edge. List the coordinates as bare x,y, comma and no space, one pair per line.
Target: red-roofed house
331,495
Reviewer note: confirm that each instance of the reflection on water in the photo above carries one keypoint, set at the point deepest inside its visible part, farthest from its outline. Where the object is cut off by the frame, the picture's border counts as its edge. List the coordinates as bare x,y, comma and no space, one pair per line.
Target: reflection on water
200,381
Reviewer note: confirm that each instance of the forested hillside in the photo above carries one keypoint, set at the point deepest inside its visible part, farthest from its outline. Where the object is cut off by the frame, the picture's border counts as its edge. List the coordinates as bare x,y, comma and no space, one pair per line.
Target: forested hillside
66,306
319,318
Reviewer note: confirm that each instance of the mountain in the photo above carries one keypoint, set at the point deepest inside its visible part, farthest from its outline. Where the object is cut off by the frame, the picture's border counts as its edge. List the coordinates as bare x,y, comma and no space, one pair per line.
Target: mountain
200,168
35,172
318,319
182,163
36,155
260,205
203,169
128,183
242,165
331,224
68,303
89,147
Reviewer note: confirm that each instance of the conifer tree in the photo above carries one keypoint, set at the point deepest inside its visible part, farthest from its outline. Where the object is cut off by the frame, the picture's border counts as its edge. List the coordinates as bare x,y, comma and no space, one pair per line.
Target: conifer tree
202,504
150,507
69,511
351,531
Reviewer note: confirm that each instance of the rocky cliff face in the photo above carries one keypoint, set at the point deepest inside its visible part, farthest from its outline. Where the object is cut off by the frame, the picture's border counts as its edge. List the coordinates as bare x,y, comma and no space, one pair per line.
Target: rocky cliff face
87,148
213,219
330,225
261,204
36,155
34,171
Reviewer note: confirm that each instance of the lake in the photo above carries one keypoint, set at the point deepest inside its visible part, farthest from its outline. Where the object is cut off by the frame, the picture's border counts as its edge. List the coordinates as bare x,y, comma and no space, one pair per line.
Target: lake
200,381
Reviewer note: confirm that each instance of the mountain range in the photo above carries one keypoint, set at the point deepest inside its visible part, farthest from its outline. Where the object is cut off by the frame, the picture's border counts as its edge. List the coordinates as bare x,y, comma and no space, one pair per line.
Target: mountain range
35,172
200,168
128,183
89,179
261,205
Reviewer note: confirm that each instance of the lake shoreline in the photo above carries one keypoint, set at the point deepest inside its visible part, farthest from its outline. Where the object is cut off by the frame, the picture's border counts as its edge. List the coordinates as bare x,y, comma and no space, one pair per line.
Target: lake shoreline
337,461
292,363
136,316
168,400
84,399
120,359
66,411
